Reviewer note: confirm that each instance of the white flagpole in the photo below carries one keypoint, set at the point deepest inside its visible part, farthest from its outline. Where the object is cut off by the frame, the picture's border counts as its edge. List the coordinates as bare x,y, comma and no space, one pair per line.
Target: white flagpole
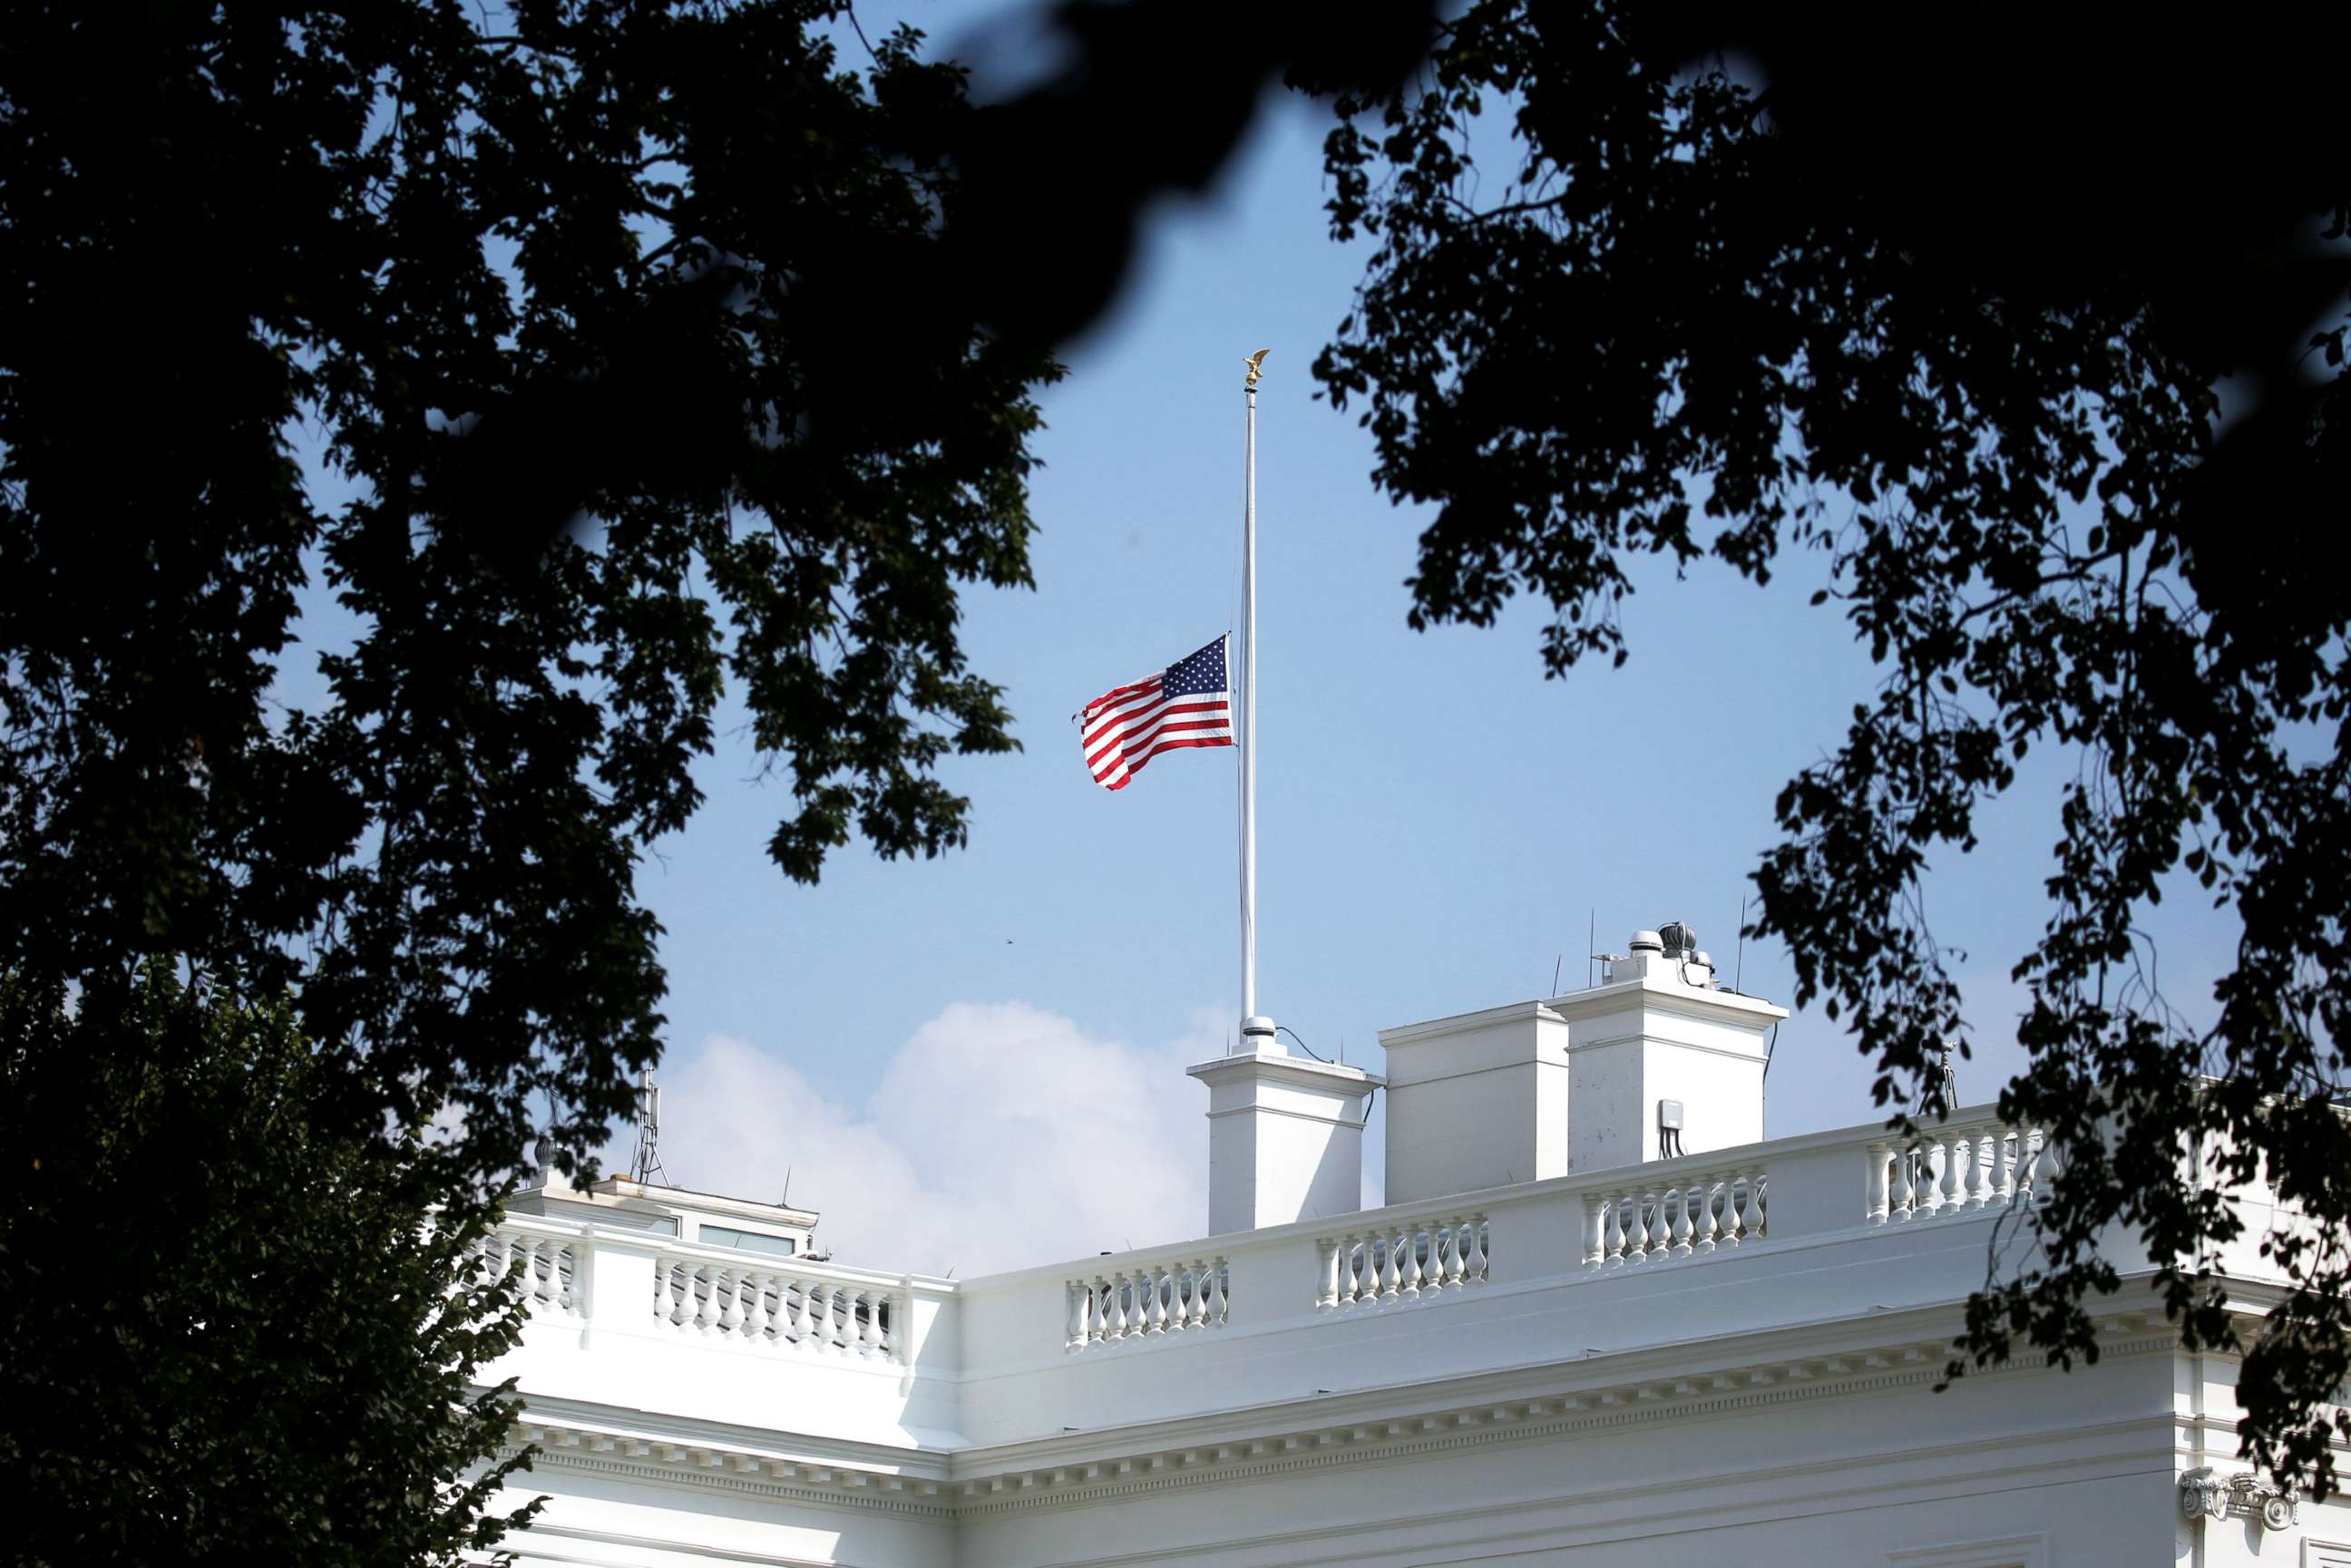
1257,1032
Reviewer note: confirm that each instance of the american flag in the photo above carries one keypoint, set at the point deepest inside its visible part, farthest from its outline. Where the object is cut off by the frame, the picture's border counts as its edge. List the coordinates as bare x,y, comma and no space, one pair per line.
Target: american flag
1189,703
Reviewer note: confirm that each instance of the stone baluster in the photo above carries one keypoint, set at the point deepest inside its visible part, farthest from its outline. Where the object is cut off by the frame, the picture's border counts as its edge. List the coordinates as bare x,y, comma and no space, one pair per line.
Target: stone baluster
1155,1305
824,1303
1474,1268
1706,1230
802,1320
1877,1194
1408,1269
867,1312
1902,1198
492,1257
819,1336
1759,1201
2029,1149
1926,1178
1971,1174
1219,1304
711,1292
722,1299
1677,1215
2006,1144
726,1287
822,1333
1953,1186
791,1311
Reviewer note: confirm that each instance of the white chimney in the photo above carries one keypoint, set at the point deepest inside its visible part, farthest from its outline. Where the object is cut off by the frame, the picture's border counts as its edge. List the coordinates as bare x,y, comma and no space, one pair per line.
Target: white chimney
1285,1136
1477,1101
1654,1060
1657,1038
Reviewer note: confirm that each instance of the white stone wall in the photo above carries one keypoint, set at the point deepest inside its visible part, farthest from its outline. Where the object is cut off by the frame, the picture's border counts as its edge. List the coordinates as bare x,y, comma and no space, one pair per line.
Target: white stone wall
1727,1358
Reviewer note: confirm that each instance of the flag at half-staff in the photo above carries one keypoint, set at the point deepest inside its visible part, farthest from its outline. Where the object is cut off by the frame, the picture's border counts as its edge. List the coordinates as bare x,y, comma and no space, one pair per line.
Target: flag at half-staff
1188,703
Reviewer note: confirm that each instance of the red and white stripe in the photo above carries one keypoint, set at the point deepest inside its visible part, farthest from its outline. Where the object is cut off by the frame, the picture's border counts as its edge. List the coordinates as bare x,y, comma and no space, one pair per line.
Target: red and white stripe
1127,727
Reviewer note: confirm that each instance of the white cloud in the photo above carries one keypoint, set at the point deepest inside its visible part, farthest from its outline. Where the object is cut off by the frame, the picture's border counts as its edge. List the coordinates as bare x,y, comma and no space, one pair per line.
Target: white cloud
1002,1136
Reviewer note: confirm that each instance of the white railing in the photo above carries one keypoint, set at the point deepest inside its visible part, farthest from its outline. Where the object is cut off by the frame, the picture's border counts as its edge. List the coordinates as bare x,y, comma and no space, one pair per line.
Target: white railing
1152,1299
548,1264
743,1303
1954,1168
1401,1260
1658,1215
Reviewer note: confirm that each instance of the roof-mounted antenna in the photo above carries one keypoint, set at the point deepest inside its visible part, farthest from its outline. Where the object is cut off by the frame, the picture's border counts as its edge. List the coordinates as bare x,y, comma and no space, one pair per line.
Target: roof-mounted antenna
645,1166
1738,954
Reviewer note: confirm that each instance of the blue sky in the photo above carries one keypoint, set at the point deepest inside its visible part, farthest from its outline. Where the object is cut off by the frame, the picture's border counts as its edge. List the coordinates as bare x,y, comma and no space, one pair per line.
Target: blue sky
1437,822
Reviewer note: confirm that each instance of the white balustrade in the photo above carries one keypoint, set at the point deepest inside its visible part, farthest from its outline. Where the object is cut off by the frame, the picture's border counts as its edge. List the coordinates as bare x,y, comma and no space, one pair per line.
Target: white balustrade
1954,1168
1652,1216
1403,1260
1148,1299
743,1303
548,1264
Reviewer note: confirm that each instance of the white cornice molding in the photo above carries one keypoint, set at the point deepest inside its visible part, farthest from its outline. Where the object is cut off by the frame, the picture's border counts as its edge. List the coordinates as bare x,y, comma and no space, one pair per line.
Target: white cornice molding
1598,1407
716,1466
1073,1471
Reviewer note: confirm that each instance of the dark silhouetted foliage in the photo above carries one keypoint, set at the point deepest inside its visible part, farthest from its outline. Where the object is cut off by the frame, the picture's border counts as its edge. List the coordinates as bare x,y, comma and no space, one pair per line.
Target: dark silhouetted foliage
629,327
1929,311
232,1337
635,336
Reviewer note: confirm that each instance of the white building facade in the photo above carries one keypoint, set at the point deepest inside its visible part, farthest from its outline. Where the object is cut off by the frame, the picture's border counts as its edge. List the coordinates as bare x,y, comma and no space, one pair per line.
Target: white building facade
1604,1323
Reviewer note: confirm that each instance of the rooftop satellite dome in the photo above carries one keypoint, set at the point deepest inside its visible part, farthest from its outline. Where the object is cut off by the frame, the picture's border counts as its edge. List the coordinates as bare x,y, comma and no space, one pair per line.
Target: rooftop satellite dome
1648,942
1679,940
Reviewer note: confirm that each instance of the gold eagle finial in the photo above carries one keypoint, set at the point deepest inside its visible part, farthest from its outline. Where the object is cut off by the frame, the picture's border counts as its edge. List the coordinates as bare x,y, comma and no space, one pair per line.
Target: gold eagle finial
1255,363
